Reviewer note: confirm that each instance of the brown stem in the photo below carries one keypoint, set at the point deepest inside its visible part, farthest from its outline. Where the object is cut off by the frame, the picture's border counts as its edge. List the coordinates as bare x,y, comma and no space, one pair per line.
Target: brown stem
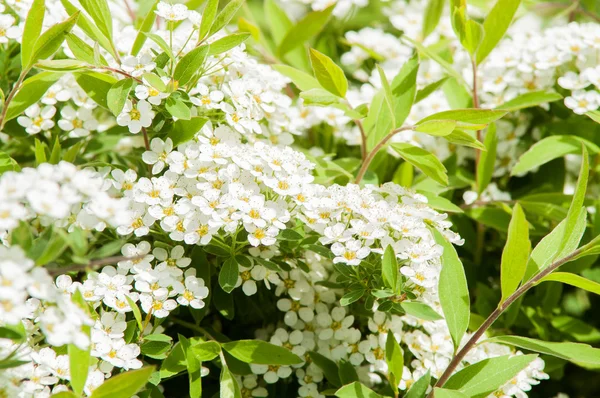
11,95
371,155
120,72
146,140
363,139
496,314
476,106
93,264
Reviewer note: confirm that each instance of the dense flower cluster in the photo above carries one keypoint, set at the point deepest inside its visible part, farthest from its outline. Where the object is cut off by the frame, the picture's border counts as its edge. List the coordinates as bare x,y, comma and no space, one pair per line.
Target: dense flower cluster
230,184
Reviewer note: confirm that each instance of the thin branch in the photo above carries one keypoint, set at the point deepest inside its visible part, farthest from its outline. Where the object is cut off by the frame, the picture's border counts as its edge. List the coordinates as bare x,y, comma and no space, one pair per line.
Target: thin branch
93,264
146,140
371,155
120,72
11,95
496,314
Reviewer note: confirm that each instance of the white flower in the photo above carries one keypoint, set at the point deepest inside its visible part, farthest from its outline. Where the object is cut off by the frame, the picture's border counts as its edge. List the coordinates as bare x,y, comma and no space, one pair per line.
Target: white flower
8,30
137,66
159,307
79,122
158,153
207,98
37,119
151,94
136,116
193,293
175,12
351,252
335,325
583,101
271,373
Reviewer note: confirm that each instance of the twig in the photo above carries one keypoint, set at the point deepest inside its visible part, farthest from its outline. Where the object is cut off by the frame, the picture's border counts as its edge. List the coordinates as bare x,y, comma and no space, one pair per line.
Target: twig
146,141
496,314
371,155
120,72
93,264
11,95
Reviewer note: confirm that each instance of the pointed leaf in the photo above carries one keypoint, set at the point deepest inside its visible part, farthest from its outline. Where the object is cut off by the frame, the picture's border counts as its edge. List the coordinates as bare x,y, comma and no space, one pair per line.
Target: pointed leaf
453,291
330,76
423,160
515,253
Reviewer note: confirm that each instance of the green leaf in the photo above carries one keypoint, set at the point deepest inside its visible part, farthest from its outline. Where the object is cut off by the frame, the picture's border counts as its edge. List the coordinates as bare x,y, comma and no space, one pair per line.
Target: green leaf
464,138
124,385
145,27
515,253
580,354
228,385
96,85
50,41
471,116
351,297
227,43
83,51
529,100
438,128
495,25
379,121
419,388
576,204
423,160
226,14
356,390
448,67
311,24
389,268
301,79
163,45
190,64
547,249
469,32
32,29
177,108
206,351
484,377
194,368
444,393
487,159
136,312
228,275
12,332
184,130
208,18
329,368
261,352
549,149
30,92
438,202
88,27
40,152
430,88
573,280
404,88
432,15
118,94
453,291
100,13
318,96
7,163
330,76
79,365
395,360
594,115
420,310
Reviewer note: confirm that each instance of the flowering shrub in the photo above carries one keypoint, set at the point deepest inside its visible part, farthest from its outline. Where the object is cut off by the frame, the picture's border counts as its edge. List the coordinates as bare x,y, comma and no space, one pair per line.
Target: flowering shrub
299,199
